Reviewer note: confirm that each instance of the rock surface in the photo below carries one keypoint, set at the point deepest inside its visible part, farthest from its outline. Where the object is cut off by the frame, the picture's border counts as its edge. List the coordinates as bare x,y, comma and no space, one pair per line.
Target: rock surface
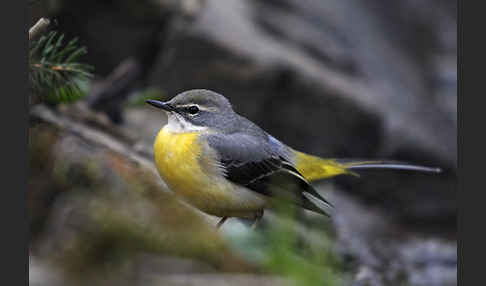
380,86
368,79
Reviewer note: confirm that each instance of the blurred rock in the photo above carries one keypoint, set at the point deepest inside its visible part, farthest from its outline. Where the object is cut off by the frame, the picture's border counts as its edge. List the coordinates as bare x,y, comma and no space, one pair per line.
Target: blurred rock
258,55
368,79
383,254
335,88
218,280
43,274
380,86
106,207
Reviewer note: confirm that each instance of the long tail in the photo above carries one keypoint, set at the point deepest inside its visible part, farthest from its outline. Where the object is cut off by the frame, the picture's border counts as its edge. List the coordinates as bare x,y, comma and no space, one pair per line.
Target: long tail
314,168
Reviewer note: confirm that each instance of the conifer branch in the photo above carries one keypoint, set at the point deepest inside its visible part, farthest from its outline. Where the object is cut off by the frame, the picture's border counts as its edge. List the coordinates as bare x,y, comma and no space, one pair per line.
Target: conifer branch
55,73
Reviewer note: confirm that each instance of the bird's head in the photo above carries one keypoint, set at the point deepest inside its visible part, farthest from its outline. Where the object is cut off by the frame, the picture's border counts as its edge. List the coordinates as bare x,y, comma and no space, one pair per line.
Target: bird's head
197,110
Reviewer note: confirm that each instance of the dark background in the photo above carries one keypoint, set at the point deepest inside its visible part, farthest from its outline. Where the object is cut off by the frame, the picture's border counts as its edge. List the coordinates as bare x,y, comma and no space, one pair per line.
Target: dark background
368,79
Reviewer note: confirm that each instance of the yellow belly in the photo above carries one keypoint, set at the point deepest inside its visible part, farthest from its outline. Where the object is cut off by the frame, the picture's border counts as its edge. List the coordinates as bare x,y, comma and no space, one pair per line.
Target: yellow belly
186,167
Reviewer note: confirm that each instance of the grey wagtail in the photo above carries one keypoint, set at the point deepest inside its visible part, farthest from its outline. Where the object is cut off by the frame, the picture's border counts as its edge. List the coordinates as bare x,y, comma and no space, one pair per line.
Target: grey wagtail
227,166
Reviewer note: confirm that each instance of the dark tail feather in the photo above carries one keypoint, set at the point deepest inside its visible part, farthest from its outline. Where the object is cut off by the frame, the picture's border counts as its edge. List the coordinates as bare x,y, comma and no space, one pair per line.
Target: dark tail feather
387,165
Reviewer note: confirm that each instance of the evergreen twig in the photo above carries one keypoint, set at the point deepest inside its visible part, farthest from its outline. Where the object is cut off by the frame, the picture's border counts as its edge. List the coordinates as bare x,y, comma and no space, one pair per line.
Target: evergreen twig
54,71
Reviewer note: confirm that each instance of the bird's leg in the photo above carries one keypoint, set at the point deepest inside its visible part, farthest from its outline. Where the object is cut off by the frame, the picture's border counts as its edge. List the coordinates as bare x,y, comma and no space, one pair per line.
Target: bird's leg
221,221
258,217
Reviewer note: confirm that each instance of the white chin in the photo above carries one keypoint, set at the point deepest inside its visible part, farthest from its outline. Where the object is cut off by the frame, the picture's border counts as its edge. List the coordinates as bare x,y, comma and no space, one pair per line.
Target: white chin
177,124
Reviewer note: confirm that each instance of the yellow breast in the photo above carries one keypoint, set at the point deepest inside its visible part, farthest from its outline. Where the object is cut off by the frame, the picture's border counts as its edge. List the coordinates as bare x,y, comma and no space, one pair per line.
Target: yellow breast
185,165
176,158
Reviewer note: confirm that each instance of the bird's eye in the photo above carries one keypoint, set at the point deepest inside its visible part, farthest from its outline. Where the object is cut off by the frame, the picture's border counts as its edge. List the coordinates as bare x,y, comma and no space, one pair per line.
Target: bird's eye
193,109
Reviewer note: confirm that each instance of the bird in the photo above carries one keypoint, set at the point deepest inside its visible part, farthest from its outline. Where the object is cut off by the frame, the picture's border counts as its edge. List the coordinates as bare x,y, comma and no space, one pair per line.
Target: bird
225,165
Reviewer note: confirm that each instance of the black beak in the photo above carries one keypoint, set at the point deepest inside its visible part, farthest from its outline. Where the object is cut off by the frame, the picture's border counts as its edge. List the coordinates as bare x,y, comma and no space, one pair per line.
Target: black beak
160,104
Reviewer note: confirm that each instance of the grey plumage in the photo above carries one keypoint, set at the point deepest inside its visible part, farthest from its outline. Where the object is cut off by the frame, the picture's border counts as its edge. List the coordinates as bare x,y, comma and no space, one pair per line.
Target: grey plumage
262,164
250,158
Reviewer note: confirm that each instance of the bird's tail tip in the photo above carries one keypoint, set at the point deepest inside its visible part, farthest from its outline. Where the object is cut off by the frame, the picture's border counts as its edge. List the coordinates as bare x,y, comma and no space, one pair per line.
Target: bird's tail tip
394,165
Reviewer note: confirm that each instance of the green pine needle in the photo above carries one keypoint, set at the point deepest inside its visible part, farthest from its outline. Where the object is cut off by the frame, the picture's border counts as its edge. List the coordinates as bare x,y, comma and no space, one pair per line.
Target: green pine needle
54,71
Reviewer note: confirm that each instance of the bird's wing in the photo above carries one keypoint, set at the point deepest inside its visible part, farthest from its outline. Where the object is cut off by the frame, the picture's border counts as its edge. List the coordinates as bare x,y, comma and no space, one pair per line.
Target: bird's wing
259,165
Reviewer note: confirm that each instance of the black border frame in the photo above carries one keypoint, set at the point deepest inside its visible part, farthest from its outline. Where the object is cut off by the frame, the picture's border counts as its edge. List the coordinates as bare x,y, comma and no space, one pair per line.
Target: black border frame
15,140
14,124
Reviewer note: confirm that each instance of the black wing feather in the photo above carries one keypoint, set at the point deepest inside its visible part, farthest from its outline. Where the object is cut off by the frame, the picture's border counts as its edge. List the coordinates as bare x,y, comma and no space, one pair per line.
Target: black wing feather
260,167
